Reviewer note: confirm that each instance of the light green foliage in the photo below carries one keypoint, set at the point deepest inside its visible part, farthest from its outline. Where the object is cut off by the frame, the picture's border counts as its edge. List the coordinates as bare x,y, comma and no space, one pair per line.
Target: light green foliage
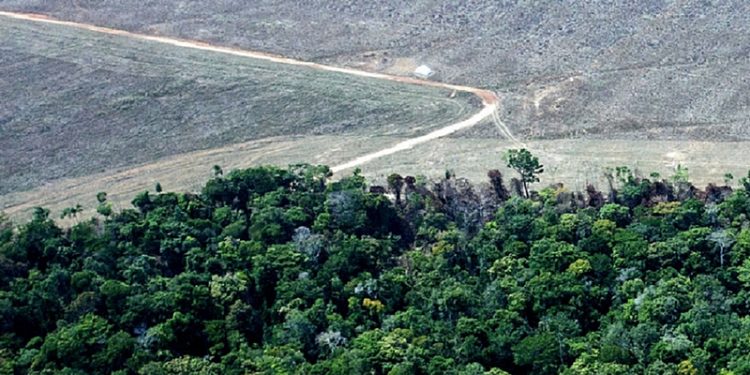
680,174
89,344
182,365
579,267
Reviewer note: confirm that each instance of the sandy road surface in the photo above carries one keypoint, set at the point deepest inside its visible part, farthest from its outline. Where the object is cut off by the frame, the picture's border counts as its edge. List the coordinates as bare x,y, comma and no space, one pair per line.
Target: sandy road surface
487,111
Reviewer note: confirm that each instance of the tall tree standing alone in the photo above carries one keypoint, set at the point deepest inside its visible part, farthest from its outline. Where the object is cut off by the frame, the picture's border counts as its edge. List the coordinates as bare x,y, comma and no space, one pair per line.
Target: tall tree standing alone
526,164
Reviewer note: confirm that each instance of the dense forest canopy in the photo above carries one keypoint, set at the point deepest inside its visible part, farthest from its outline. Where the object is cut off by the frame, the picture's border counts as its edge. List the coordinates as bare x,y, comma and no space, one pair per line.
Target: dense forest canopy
275,271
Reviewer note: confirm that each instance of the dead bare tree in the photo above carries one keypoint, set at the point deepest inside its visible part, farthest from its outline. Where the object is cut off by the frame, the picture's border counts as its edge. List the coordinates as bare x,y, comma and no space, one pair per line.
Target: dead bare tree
496,180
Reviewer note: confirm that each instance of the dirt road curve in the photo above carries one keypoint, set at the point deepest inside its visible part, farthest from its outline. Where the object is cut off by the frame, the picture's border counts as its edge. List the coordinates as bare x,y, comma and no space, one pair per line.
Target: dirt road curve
486,112
489,99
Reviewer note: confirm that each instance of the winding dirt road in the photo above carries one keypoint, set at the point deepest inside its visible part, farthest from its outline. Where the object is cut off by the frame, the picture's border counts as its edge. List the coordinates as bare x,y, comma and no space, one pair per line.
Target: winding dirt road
490,101
487,111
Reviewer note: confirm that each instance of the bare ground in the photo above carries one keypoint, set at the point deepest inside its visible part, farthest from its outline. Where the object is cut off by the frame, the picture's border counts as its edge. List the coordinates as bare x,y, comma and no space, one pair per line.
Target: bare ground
574,162
651,70
78,102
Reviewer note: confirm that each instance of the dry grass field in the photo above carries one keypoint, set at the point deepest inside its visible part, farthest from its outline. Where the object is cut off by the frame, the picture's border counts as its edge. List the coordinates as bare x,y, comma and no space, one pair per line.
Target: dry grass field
574,162
189,171
77,102
653,70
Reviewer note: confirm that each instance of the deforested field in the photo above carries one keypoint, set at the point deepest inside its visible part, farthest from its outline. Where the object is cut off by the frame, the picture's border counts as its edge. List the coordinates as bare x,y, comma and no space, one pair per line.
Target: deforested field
584,85
76,103
636,70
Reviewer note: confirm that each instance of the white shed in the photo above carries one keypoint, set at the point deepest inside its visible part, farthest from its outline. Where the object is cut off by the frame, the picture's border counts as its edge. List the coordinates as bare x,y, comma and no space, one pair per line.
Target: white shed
423,72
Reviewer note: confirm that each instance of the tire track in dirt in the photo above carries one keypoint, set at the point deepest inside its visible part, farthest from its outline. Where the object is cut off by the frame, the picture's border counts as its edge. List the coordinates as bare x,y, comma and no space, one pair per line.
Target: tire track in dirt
490,100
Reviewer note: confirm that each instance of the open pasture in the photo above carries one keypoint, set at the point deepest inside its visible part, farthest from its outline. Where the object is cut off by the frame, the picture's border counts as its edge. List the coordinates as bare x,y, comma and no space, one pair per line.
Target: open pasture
77,102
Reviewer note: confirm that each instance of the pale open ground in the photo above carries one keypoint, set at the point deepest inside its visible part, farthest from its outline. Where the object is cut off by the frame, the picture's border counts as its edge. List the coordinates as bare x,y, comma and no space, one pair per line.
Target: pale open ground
80,102
572,162
651,70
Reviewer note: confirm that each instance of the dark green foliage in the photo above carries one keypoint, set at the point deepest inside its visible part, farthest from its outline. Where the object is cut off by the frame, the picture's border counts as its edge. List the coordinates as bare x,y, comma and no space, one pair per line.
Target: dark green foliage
527,166
274,270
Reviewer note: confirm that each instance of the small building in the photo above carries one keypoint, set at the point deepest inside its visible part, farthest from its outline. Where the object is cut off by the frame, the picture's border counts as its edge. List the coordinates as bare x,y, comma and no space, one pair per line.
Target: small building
423,72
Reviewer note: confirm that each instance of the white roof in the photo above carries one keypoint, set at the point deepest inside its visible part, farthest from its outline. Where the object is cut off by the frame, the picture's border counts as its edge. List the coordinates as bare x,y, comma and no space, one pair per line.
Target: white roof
423,71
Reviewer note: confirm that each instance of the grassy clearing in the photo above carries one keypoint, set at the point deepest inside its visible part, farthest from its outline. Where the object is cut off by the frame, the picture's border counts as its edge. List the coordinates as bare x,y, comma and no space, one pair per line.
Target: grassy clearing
77,102
188,171
574,162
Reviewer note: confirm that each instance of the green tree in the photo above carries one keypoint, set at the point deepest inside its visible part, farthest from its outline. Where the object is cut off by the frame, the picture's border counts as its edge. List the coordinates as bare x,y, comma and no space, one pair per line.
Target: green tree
538,352
527,166
217,171
272,270
87,345
182,365
71,211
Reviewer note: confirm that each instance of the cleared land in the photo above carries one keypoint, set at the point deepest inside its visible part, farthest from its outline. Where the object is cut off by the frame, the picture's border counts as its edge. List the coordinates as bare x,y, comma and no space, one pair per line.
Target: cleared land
574,162
78,102
638,70
189,171
585,85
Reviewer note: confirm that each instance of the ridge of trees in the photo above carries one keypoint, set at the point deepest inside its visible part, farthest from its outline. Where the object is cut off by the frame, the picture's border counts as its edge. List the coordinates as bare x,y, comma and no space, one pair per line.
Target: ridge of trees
271,270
